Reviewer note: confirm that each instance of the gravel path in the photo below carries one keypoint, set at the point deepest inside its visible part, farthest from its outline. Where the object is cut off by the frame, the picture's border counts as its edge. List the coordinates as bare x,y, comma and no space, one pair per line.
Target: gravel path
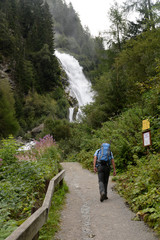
84,217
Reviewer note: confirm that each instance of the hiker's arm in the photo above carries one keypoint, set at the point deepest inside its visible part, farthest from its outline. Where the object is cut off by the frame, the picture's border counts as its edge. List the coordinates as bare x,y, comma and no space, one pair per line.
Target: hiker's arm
114,167
94,163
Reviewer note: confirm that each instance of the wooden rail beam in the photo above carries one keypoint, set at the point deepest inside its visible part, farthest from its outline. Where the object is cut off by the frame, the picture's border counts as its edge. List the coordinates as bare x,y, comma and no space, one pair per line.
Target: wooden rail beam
53,183
31,226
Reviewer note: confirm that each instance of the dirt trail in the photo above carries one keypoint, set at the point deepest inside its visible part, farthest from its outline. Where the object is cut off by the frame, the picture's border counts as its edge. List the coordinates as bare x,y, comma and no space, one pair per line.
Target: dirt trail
84,217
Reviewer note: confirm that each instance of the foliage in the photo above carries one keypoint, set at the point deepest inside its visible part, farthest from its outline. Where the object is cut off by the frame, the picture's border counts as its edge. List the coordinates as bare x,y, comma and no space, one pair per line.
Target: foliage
23,182
62,108
6,37
58,128
140,187
123,77
109,100
36,108
137,64
47,69
79,139
21,187
48,231
8,150
8,121
86,159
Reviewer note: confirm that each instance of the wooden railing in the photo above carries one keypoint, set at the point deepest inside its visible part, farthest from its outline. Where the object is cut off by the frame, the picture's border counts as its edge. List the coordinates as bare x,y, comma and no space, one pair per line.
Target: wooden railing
30,228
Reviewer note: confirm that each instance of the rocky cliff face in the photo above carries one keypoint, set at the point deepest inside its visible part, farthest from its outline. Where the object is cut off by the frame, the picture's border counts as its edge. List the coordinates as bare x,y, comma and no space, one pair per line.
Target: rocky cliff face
5,74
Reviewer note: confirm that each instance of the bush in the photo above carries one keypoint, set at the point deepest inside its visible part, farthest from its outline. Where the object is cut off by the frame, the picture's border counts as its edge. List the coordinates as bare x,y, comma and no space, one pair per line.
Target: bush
60,129
8,150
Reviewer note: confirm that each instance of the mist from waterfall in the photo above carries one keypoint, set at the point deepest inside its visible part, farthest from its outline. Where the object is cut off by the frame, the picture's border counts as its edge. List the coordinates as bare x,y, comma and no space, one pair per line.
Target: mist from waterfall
79,87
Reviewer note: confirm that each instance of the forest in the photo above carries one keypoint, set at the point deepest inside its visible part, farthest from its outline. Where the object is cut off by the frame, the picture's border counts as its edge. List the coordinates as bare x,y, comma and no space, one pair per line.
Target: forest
123,65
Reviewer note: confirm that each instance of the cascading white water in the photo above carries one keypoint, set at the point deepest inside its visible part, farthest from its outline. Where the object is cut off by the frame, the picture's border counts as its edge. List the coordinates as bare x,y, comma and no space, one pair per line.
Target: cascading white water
80,88
71,111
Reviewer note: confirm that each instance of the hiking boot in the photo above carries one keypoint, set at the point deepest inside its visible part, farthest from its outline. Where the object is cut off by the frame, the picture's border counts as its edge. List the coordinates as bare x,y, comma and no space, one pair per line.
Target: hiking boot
102,197
105,198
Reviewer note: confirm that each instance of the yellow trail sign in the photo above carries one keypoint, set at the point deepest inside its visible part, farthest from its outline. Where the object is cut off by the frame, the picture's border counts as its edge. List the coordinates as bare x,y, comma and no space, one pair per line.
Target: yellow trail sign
145,124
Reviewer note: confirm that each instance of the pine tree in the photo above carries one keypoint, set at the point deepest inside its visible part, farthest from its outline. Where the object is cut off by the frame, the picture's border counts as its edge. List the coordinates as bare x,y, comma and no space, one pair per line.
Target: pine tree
148,13
8,121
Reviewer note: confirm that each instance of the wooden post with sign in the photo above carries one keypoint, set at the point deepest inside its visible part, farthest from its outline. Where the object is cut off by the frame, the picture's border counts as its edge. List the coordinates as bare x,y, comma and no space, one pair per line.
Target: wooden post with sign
146,133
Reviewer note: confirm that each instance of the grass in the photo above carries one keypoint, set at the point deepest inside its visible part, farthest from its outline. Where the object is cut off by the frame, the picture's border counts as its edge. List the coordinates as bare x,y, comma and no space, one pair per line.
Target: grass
48,231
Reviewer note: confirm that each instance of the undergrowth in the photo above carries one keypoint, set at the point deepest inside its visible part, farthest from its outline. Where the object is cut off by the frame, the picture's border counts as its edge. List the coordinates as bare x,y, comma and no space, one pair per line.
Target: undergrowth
140,187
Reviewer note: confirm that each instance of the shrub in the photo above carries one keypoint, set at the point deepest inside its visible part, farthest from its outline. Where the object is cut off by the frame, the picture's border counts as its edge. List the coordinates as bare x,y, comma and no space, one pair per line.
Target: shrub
8,150
60,129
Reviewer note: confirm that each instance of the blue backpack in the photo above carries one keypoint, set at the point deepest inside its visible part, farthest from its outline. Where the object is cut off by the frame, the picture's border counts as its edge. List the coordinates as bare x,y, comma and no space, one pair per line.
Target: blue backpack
104,153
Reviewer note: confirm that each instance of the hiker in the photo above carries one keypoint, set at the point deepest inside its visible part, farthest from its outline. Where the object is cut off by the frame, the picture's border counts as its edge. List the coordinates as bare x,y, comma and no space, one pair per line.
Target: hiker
103,158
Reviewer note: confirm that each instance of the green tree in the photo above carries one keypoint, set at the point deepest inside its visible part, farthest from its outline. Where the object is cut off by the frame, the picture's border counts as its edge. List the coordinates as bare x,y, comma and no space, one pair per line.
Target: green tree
8,122
25,75
137,63
118,27
47,70
148,11
6,36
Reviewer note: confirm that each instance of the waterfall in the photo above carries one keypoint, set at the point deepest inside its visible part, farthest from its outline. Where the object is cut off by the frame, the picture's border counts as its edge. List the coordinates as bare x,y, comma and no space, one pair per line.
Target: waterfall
79,87
71,111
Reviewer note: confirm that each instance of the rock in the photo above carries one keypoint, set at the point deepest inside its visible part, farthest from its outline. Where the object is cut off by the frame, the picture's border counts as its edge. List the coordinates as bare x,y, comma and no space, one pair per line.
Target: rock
38,129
